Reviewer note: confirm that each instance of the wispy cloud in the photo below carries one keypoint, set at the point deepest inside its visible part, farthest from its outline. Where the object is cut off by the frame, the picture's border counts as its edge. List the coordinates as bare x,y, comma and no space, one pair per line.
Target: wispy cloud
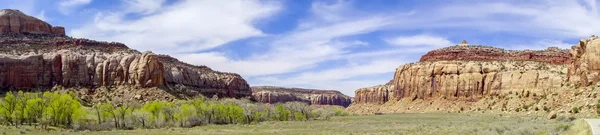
335,45
68,6
185,26
419,40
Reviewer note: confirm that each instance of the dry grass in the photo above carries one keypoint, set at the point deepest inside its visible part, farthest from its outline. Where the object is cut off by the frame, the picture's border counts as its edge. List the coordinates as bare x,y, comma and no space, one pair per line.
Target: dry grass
422,124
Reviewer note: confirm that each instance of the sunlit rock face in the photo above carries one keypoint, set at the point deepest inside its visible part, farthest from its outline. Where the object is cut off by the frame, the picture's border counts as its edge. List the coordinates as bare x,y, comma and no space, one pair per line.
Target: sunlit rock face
16,22
472,72
584,68
272,94
34,55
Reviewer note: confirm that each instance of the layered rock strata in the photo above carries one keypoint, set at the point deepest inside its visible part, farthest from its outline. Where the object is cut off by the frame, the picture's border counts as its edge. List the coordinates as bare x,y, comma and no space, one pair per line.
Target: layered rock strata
471,72
34,56
486,53
464,80
16,22
271,94
377,94
584,68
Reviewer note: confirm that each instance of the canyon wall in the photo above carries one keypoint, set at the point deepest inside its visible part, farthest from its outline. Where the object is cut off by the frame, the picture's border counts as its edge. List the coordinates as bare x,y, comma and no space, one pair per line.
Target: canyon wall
471,72
464,80
16,22
78,63
35,55
584,68
271,94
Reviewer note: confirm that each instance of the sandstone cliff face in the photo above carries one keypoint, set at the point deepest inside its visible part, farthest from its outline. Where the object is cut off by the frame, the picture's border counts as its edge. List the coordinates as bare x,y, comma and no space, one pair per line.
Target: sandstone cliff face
584,68
15,22
27,63
377,94
486,53
271,94
471,72
32,56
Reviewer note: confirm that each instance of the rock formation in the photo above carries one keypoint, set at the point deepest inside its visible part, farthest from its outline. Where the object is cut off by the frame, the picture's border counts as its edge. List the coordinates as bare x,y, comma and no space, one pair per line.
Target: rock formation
16,22
34,56
584,68
486,53
464,80
471,72
377,94
271,94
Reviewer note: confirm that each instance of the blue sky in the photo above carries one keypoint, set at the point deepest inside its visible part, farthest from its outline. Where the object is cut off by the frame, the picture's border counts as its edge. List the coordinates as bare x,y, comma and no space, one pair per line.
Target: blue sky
329,44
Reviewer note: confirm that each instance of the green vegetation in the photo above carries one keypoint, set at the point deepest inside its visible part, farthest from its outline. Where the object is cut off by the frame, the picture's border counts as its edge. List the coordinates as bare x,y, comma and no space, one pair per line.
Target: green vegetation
66,111
59,110
407,124
598,106
575,109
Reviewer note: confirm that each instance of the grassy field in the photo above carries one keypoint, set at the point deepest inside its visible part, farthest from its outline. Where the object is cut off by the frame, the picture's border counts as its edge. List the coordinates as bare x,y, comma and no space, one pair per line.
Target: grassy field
428,123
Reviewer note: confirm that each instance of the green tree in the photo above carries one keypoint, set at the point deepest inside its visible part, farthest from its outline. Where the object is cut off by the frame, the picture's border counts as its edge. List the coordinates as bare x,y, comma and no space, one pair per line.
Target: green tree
122,112
155,109
186,111
35,109
63,109
98,110
141,116
21,106
282,113
108,110
9,106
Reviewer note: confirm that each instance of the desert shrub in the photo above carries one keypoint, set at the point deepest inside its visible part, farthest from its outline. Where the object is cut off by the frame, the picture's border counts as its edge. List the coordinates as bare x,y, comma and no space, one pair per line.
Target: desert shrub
520,131
94,126
575,110
322,113
299,116
598,106
281,113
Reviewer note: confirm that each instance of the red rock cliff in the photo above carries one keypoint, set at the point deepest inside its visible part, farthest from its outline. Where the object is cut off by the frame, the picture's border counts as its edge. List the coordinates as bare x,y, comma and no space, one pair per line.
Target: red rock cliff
16,22
271,94
471,72
486,53
43,60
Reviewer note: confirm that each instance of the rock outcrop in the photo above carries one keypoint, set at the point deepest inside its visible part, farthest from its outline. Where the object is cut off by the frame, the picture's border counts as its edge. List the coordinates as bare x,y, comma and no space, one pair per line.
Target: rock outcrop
16,22
377,94
32,57
271,94
584,68
464,80
486,53
471,72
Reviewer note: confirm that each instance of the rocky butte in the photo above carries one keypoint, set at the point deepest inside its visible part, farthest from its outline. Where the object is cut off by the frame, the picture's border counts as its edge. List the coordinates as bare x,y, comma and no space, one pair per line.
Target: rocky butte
272,94
37,56
16,22
462,75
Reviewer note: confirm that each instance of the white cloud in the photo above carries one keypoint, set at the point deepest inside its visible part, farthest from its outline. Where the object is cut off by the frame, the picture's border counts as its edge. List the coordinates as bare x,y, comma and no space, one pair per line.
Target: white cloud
344,72
419,40
300,49
299,57
306,48
42,16
542,18
185,26
541,45
331,12
68,6
144,6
